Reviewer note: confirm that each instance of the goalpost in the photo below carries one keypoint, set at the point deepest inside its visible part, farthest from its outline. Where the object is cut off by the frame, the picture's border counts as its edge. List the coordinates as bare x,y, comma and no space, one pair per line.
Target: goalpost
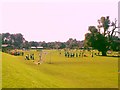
40,53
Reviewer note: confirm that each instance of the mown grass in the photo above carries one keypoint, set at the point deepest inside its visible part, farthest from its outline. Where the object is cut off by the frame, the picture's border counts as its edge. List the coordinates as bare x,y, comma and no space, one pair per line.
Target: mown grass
79,72
0,70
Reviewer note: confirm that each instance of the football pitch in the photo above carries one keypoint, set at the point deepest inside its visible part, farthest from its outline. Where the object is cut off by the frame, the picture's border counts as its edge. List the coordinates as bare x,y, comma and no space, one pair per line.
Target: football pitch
58,71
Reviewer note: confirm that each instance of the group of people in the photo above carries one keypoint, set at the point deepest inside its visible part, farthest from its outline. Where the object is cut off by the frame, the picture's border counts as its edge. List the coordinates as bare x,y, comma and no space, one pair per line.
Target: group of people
29,57
39,57
72,54
17,53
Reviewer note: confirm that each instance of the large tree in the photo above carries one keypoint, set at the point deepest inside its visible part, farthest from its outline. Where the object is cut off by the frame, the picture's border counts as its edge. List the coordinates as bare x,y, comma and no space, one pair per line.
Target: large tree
104,37
14,40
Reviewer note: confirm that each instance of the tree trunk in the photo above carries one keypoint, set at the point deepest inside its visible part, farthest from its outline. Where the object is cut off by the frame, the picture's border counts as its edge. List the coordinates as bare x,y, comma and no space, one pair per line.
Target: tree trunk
104,53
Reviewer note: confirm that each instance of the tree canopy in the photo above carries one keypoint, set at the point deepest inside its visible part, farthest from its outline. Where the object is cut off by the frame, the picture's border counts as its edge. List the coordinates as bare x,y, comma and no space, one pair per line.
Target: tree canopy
17,41
103,40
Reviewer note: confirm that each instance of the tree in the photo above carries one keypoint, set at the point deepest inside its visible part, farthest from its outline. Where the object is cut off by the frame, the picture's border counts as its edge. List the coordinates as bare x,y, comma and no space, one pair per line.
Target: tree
102,41
13,40
26,45
34,44
96,40
5,38
43,44
18,40
115,45
62,45
0,41
72,43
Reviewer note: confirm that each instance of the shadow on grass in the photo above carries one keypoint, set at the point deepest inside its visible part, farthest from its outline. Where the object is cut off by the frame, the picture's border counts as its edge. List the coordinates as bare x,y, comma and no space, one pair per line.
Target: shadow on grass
109,56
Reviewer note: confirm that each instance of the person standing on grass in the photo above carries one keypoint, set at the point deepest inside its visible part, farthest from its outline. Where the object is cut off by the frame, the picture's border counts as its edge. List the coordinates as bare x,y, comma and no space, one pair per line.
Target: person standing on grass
73,54
79,54
40,58
82,53
76,54
65,54
22,53
32,56
68,54
92,54
98,53
27,57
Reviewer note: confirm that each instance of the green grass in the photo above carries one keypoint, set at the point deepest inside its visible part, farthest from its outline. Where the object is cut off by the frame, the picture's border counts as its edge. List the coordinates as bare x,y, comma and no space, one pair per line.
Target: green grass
86,72
0,70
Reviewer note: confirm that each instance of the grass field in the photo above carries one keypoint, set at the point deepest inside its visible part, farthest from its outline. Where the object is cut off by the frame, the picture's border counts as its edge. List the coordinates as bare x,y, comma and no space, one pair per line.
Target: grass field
78,72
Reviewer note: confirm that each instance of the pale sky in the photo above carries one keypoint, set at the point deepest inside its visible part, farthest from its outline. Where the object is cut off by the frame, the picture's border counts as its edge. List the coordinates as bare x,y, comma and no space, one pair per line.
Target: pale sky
44,20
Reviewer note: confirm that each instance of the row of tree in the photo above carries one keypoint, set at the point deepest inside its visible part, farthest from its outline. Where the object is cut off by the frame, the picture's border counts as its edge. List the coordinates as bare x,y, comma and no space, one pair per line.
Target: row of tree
19,42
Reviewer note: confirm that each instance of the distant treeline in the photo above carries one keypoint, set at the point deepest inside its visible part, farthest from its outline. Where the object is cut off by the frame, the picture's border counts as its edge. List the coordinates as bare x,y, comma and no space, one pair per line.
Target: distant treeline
17,41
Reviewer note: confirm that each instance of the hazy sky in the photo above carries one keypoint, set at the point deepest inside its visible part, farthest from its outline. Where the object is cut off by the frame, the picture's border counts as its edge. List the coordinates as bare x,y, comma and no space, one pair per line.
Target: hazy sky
54,20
